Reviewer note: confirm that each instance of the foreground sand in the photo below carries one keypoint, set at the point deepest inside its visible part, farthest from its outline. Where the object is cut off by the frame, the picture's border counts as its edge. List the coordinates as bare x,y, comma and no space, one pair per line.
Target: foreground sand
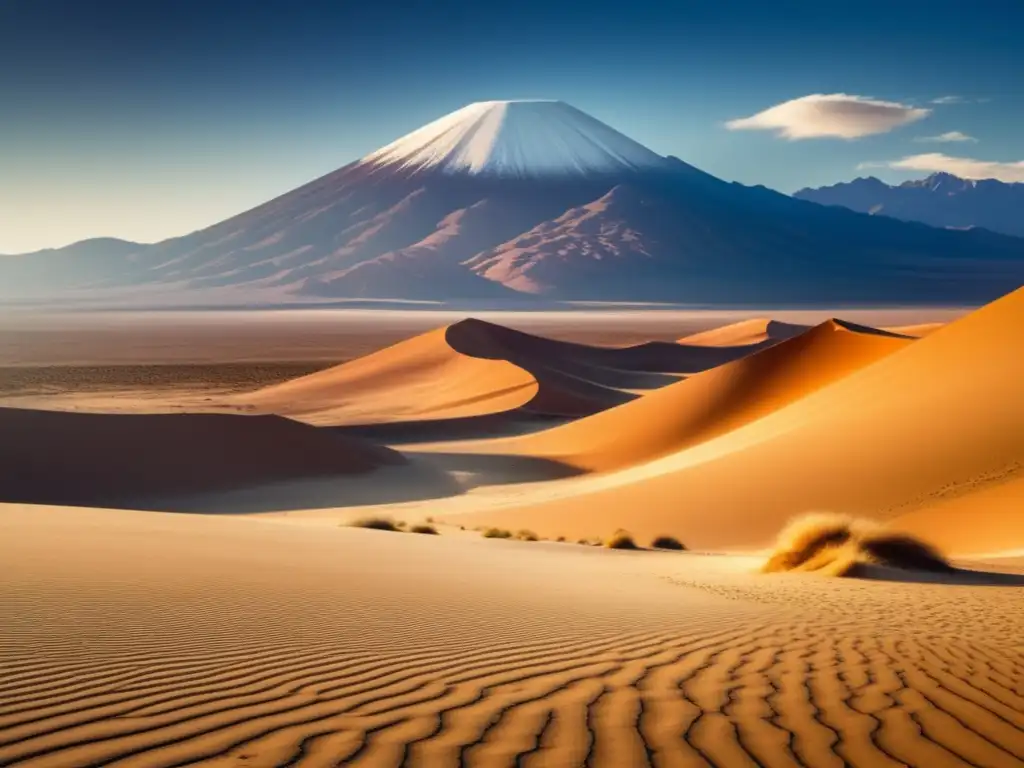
145,639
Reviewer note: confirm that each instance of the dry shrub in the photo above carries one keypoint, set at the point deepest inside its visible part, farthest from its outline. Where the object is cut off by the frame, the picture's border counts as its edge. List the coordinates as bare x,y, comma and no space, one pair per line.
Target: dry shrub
423,528
667,542
621,540
376,524
901,550
497,533
560,539
805,537
838,545
526,535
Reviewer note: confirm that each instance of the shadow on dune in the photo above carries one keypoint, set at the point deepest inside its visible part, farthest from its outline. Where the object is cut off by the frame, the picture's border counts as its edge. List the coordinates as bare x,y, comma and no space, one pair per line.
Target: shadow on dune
421,478
101,459
482,339
476,469
489,425
224,463
413,481
968,577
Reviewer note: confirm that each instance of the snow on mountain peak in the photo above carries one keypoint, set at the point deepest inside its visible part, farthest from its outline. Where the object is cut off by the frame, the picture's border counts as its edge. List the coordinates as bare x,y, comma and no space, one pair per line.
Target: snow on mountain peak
519,139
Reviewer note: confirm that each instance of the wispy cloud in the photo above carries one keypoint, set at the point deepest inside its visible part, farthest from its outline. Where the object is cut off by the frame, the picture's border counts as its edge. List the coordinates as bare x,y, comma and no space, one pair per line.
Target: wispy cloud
949,136
871,165
964,167
837,115
949,100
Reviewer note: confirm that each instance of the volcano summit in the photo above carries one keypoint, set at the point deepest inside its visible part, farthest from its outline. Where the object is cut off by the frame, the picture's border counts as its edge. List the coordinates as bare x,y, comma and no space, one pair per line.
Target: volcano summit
517,139
513,199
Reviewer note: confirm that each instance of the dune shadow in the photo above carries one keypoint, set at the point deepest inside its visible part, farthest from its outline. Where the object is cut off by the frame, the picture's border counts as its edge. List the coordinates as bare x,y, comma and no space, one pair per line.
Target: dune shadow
396,484
421,477
492,425
967,577
477,469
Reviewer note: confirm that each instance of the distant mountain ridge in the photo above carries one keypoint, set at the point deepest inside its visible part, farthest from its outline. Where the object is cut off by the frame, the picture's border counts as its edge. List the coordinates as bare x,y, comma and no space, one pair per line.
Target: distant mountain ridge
940,200
523,200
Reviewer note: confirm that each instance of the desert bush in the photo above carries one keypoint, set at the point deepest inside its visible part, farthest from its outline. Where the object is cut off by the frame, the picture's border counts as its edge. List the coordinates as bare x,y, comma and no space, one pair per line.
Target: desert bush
423,528
839,545
525,535
621,540
560,539
667,542
376,524
497,533
901,550
805,537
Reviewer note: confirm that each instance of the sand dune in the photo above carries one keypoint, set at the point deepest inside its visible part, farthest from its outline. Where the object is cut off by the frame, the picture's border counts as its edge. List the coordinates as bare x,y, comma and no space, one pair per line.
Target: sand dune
757,330
918,330
762,330
142,640
939,419
474,368
714,402
90,459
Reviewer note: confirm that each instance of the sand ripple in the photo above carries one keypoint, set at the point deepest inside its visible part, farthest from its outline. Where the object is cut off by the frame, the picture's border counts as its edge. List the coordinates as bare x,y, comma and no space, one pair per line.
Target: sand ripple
139,639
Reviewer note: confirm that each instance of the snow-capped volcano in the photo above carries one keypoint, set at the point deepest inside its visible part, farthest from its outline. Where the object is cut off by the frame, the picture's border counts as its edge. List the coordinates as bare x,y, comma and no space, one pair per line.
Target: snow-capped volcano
506,200
517,139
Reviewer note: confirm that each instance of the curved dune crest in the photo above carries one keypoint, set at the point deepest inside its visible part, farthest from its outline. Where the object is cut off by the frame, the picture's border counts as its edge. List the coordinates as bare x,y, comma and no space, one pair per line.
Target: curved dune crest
419,378
713,402
940,419
96,459
757,330
474,368
918,331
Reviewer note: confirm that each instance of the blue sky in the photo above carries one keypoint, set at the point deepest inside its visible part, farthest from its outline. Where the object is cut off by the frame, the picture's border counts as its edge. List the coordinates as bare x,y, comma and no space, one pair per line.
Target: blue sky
145,120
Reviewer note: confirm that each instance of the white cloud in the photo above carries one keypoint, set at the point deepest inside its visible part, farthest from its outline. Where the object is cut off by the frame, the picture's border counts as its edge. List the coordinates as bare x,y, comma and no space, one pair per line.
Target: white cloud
949,100
949,136
835,114
964,167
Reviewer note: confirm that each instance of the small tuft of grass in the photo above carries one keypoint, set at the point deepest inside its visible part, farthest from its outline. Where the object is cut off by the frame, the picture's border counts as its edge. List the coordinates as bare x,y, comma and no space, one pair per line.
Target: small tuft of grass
376,524
497,533
667,542
560,539
430,519
424,528
525,535
621,540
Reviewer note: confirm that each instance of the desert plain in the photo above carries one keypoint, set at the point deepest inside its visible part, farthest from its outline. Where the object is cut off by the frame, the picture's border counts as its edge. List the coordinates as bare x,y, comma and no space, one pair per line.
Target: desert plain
186,578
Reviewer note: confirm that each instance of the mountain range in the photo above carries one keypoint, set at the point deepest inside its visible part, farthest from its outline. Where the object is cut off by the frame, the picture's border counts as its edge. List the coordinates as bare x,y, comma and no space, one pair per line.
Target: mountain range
940,200
526,200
